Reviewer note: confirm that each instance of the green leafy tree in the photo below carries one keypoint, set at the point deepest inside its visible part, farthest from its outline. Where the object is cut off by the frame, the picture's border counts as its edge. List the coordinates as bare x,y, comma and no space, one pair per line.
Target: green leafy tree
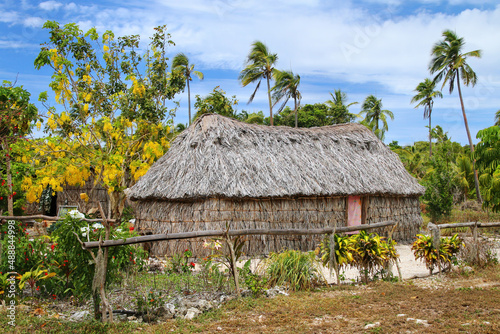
425,97
374,114
259,65
439,183
252,118
17,118
497,118
286,87
181,63
488,161
338,108
450,65
216,102
113,120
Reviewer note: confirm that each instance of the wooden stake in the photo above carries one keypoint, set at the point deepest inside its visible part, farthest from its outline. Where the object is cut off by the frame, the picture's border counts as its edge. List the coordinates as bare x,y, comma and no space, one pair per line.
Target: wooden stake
233,264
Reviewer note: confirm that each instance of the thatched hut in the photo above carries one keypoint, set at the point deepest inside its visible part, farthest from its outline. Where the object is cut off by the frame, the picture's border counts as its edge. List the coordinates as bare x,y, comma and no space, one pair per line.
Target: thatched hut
221,171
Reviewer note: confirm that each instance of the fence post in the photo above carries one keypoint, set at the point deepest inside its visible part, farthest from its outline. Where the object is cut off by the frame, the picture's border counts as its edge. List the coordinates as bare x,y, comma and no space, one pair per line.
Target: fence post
476,241
233,264
436,241
333,259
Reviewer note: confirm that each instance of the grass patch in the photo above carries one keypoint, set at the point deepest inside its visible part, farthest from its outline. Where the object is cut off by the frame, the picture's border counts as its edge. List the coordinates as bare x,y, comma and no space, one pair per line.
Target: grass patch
346,309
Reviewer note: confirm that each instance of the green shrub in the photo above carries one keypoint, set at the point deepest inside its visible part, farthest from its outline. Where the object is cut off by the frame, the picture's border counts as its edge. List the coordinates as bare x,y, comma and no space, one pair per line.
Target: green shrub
75,267
424,249
371,253
296,269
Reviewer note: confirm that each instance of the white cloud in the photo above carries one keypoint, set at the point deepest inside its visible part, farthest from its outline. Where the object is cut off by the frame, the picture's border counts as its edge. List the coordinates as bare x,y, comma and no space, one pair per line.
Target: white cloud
33,22
50,5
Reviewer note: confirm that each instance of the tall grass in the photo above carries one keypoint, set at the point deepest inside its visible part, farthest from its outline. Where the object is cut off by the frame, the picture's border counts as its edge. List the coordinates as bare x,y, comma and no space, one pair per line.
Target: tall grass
295,269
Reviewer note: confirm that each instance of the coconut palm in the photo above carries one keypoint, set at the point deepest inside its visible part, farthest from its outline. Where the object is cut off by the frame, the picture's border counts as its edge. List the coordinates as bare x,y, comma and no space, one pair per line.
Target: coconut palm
425,97
181,63
497,118
286,87
339,108
259,65
372,108
449,63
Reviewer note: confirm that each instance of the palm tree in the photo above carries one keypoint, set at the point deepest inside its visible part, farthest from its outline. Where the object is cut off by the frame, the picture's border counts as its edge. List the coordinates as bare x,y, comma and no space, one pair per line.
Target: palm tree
259,64
181,63
450,63
339,107
286,87
497,118
425,97
372,107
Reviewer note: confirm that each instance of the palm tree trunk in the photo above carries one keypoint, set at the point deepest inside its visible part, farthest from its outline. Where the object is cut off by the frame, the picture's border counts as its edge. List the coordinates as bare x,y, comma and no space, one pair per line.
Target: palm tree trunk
189,101
430,131
476,181
270,104
295,111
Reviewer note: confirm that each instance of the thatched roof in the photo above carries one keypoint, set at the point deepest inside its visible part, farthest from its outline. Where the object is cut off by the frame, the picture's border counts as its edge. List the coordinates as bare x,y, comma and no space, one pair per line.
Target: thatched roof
221,157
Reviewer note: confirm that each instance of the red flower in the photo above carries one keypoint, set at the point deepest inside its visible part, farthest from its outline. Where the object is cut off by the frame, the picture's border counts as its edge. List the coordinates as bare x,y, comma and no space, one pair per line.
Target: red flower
192,264
37,288
131,228
1,197
46,274
52,246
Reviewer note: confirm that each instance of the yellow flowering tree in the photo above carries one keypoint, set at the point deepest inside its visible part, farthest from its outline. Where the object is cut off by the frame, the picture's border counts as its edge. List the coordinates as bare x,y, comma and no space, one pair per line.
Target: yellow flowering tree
17,116
112,121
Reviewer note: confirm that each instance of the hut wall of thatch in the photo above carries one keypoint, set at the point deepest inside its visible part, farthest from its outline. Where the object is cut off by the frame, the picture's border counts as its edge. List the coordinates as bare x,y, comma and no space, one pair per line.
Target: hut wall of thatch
405,211
71,196
285,213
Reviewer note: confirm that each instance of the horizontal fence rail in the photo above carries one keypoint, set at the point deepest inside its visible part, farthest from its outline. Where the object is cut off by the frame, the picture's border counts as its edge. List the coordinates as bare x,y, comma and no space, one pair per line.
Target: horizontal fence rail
215,233
50,218
471,224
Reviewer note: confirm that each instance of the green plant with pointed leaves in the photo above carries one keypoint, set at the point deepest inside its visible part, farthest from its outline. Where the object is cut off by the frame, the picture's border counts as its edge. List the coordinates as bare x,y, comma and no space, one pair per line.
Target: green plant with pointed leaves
181,64
370,253
260,64
344,249
497,118
32,277
449,63
425,96
287,86
374,114
424,249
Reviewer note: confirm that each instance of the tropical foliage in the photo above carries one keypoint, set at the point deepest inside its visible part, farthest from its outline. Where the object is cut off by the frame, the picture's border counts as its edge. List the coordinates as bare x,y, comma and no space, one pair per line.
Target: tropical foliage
181,63
450,63
286,87
259,65
374,114
115,121
425,97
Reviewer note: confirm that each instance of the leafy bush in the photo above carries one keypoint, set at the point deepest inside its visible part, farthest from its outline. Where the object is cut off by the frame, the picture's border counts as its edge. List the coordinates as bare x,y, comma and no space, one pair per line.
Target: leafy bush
255,283
179,263
371,252
296,269
76,267
425,250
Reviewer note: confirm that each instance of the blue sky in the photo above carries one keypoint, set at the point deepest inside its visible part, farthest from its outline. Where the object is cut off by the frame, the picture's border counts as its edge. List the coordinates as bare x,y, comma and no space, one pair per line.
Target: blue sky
362,47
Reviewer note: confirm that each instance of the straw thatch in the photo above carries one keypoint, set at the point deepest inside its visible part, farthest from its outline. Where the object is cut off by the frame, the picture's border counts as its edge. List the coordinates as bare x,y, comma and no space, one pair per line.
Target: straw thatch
221,171
221,157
